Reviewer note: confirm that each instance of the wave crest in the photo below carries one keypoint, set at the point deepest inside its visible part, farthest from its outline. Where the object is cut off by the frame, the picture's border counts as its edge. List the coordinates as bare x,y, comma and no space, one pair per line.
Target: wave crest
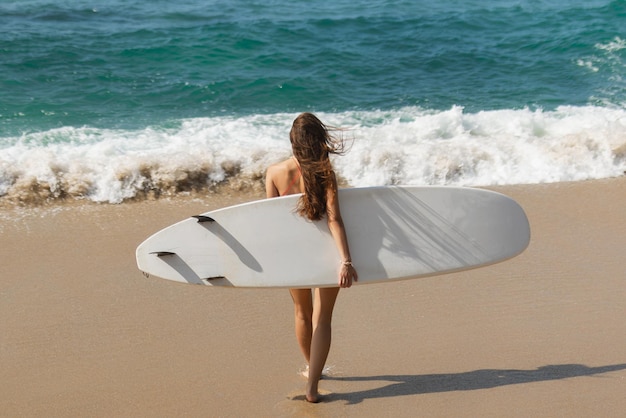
405,146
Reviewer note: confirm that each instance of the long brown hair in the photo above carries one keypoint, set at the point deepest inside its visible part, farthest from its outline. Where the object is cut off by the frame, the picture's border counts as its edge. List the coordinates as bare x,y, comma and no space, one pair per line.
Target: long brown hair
312,144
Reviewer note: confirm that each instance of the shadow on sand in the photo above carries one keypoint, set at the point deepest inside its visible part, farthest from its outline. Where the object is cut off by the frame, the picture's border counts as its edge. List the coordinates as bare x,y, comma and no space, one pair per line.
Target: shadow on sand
403,385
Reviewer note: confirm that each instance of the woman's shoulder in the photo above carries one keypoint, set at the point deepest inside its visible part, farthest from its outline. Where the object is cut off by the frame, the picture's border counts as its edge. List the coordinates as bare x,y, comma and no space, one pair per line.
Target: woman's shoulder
277,171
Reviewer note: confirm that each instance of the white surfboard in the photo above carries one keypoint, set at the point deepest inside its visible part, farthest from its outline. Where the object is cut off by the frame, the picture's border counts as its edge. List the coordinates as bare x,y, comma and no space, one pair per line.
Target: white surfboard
394,233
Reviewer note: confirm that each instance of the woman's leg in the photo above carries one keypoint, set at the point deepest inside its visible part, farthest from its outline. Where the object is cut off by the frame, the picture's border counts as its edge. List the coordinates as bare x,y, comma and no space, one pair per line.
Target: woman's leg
320,342
303,310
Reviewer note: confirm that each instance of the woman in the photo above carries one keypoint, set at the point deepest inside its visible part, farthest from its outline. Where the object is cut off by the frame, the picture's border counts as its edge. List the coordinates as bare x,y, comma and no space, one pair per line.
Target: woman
310,172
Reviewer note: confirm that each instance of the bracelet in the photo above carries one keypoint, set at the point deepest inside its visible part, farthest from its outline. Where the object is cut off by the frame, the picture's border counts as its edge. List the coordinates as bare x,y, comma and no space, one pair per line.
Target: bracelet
347,263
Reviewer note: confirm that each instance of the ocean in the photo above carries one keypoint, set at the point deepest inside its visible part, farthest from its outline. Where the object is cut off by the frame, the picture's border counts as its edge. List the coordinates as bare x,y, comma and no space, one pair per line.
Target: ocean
127,100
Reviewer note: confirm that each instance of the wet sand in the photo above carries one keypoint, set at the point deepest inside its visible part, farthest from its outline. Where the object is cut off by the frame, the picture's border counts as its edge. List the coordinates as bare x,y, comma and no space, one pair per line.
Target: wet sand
83,333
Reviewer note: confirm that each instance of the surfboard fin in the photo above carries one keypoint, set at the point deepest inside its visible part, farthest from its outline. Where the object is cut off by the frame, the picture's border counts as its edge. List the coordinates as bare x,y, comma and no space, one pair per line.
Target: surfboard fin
162,253
209,279
203,218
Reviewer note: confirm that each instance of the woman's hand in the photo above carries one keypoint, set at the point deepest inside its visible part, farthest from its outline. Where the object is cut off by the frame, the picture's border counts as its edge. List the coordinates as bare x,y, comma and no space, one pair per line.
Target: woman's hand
347,274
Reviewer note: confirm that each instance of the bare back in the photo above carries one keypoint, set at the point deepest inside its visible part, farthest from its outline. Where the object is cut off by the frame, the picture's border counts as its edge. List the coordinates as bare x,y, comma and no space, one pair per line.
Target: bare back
283,179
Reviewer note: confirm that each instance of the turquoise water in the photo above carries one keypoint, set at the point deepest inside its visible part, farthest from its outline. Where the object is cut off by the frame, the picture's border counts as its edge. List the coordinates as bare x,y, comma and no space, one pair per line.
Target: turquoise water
84,76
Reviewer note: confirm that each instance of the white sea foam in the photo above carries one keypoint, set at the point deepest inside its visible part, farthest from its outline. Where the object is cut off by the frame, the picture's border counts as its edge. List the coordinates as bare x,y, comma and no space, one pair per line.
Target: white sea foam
609,61
406,146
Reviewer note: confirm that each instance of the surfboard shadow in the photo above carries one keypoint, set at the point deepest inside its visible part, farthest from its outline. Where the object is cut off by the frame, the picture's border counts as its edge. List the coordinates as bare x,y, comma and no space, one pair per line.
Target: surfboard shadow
242,253
189,274
406,385
178,264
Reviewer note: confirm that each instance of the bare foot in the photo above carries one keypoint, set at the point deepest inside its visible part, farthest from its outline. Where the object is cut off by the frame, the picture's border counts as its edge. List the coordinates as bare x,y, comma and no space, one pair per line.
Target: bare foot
313,399
312,395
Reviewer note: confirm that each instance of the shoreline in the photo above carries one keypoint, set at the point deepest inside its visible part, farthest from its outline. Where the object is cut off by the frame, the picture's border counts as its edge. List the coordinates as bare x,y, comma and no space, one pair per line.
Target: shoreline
85,334
231,194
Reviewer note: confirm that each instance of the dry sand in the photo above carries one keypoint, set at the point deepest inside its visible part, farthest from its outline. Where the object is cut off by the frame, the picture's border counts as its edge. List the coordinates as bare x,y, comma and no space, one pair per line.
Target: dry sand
84,334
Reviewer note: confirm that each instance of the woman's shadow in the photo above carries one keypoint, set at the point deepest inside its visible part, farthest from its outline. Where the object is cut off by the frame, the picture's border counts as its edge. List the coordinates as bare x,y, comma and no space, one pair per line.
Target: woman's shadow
403,385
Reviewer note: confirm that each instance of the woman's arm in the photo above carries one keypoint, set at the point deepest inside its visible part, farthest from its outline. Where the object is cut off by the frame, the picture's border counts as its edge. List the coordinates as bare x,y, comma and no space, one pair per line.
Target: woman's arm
347,272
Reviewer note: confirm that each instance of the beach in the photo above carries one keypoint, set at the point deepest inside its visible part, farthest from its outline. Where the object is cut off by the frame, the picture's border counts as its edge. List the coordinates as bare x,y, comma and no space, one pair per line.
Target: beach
118,120
84,333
